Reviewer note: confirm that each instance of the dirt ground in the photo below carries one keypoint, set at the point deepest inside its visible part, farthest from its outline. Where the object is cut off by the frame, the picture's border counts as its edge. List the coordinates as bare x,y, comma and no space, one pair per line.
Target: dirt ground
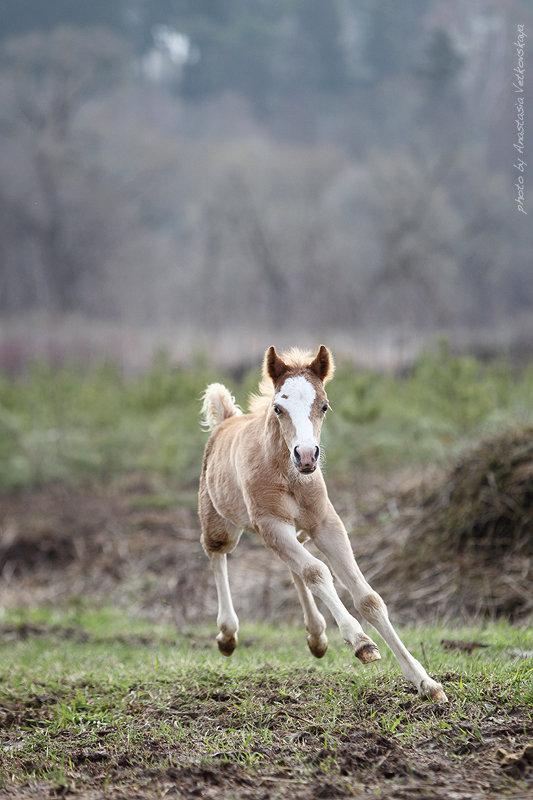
115,544
368,764
135,543
123,543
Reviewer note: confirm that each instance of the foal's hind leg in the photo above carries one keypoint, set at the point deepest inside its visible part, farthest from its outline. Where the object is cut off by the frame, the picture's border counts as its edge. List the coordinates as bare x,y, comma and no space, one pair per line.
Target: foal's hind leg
219,537
280,537
315,623
227,619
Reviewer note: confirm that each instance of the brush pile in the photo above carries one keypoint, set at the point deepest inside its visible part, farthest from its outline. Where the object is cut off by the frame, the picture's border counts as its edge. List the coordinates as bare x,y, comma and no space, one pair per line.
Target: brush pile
465,547
455,547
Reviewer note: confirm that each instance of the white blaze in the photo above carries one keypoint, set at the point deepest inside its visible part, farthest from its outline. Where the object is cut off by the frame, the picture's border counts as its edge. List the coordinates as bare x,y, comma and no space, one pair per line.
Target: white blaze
296,397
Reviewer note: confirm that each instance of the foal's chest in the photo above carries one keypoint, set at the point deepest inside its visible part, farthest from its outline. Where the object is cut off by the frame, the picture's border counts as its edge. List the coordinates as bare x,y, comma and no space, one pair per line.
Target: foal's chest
308,503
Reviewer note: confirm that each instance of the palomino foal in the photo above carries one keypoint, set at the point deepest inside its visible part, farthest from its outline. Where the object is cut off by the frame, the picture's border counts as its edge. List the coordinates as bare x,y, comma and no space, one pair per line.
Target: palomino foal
261,473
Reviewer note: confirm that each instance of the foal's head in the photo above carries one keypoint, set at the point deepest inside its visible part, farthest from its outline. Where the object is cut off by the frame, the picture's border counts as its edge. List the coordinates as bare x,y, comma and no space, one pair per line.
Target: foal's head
300,402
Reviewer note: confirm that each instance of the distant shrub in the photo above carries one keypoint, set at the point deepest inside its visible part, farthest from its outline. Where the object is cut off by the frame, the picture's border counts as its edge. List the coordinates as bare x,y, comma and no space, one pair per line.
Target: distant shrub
69,423
425,416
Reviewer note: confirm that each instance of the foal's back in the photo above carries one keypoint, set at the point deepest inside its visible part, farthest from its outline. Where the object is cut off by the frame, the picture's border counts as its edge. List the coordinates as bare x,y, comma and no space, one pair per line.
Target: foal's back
228,466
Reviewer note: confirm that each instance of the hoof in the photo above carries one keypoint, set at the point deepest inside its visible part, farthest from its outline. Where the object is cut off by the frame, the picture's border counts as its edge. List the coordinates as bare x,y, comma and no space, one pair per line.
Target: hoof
318,644
368,653
434,691
226,646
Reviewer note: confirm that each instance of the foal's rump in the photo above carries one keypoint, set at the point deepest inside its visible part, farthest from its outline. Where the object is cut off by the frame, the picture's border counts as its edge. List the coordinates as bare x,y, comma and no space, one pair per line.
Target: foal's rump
221,497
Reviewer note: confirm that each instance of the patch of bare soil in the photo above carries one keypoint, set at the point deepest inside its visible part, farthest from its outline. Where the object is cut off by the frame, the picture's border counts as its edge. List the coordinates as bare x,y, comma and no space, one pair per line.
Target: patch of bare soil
60,543
456,762
458,544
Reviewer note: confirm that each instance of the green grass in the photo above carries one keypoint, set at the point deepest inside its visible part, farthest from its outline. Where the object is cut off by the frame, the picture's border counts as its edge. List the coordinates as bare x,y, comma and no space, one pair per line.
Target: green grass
86,692
427,417
91,697
70,424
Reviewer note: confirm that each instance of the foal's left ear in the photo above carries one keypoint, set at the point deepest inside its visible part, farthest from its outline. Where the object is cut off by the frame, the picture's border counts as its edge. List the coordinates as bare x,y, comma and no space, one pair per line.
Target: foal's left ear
323,365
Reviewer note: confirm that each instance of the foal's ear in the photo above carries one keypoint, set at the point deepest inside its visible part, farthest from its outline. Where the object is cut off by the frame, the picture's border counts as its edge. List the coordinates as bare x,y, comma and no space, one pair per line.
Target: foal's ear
323,365
274,365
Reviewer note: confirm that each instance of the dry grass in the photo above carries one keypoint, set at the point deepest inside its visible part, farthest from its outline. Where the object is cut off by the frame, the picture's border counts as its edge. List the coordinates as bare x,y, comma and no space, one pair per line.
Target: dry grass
464,546
460,548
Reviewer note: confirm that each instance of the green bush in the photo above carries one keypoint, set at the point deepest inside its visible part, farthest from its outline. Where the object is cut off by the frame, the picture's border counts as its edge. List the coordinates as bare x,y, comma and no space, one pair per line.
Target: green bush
426,416
72,423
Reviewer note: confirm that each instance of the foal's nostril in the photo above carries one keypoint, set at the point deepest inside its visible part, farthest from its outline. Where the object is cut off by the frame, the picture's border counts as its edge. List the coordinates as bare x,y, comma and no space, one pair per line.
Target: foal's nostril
308,459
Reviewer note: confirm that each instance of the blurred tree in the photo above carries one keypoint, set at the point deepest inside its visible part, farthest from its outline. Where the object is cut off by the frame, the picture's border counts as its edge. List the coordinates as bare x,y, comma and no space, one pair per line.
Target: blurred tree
18,17
441,67
53,75
102,172
404,253
236,41
265,51
314,60
47,78
393,32
443,113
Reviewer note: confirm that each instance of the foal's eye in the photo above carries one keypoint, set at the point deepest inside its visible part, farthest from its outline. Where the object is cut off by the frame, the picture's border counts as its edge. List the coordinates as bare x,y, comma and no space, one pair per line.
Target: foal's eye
325,408
277,410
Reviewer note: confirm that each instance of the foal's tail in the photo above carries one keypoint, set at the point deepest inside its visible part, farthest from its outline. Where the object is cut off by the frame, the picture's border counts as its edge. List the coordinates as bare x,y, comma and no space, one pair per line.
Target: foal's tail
218,405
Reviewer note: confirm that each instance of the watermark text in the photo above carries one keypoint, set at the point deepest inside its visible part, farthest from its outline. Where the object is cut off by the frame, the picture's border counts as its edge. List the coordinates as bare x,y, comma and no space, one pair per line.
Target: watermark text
520,163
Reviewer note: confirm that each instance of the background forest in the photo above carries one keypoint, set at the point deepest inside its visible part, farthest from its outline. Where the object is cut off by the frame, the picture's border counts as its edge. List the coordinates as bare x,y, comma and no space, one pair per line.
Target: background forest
297,167
182,184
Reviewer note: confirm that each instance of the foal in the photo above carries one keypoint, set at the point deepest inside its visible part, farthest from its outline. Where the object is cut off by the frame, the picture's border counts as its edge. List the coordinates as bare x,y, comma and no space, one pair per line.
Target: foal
261,473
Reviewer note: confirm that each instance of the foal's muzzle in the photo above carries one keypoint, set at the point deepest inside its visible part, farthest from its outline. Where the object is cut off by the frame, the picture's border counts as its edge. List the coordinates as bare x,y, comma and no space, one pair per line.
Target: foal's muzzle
305,459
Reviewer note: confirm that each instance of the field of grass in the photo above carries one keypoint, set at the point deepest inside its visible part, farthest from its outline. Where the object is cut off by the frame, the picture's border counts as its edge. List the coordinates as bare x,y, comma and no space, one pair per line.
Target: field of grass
99,702
96,700
71,423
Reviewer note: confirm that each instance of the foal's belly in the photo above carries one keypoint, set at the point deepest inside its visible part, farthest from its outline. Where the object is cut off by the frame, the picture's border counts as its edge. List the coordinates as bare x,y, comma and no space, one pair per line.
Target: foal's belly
227,498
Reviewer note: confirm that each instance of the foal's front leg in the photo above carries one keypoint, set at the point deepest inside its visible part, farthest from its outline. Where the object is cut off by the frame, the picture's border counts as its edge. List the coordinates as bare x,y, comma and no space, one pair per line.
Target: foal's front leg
331,538
281,537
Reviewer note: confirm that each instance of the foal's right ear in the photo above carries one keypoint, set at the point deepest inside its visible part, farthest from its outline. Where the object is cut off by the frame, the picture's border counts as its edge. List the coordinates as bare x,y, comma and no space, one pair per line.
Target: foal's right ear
275,367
